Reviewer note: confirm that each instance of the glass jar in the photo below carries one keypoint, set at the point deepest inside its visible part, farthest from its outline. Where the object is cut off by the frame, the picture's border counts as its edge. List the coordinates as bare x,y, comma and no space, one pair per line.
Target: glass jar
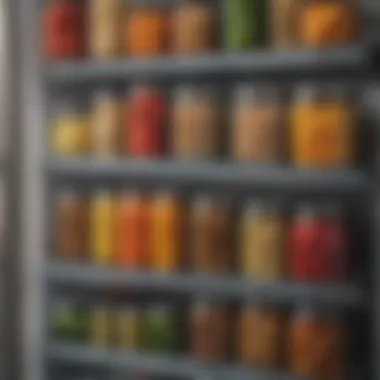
71,226
318,244
100,325
322,128
262,241
102,228
193,27
127,327
105,17
260,336
147,113
243,24
63,30
105,124
257,124
146,30
211,236
195,123
132,230
317,344
71,132
329,23
209,331
166,232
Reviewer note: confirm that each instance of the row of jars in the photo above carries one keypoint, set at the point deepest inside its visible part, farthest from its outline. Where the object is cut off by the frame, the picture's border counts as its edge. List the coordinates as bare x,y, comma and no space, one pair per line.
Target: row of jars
105,29
309,341
161,233
317,128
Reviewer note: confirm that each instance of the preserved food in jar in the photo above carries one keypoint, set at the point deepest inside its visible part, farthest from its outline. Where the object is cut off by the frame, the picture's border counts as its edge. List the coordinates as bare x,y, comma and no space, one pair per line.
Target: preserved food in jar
262,240
127,332
100,326
195,129
257,122
166,233
318,245
317,345
132,216
71,134
211,236
322,128
328,22
192,27
284,20
260,337
102,239
146,31
209,331
105,28
146,120
63,30
105,123
243,23
71,226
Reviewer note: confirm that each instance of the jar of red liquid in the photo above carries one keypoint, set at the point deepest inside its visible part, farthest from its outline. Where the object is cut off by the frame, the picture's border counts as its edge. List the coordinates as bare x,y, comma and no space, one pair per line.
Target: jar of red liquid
63,30
145,126
318,245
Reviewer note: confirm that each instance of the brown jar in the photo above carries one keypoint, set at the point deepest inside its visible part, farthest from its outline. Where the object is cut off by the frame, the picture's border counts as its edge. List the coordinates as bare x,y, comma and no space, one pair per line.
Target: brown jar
317,345
211,236
71,226
209,331
260,336
193,27
257,124
195,123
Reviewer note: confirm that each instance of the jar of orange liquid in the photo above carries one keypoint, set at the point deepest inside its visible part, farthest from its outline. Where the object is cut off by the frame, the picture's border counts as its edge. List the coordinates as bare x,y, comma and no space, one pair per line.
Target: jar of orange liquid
102,229
131,230
166,232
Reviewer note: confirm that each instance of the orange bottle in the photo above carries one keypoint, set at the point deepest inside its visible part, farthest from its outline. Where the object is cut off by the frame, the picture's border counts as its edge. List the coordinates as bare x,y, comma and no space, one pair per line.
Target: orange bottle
132,229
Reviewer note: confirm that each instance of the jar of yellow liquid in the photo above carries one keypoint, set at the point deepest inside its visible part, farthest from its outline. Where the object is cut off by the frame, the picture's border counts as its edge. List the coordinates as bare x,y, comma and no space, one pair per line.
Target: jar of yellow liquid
166,232
102,229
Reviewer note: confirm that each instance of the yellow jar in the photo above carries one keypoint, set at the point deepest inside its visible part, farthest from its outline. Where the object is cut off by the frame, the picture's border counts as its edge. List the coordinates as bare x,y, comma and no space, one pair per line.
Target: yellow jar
322,129
102,228
166,233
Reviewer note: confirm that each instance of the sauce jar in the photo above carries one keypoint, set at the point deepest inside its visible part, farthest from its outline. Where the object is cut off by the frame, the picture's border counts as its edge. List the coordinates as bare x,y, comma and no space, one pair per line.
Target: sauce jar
63,30
211,238
322,127
260,336
318,244
262,241
257,124
71,226
146,30
127,334
317,344
105,124
192,27
132,222
101,325
195,123
329,23
147,111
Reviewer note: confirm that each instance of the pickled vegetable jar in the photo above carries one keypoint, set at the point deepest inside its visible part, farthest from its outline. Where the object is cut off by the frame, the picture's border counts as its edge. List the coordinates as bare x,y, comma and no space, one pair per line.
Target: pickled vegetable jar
127,327
100,325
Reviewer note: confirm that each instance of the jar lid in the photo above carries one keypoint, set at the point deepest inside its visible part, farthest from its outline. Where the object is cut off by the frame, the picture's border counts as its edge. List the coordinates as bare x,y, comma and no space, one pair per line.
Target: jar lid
308,211
189,92
323,312
104,95
262,207
68,107
309,92
256,93
102,193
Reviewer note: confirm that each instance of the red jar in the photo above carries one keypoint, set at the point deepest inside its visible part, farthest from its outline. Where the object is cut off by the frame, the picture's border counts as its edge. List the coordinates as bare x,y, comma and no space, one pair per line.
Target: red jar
318,245
146,119
63,30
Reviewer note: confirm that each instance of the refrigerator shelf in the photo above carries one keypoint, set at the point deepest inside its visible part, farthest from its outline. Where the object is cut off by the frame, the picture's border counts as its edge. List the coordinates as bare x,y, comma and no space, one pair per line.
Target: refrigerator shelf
89,277
160,366
334,61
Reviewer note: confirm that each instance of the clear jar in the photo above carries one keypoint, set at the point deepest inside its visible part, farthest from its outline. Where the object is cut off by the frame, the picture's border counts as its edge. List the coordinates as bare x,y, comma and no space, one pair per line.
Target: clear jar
257,124
262,241
105,17
193,27
195,123
105,124
322,127
101,325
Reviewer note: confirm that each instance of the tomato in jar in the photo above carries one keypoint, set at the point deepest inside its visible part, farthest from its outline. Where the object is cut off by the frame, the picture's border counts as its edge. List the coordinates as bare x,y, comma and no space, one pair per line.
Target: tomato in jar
63,30
318,246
